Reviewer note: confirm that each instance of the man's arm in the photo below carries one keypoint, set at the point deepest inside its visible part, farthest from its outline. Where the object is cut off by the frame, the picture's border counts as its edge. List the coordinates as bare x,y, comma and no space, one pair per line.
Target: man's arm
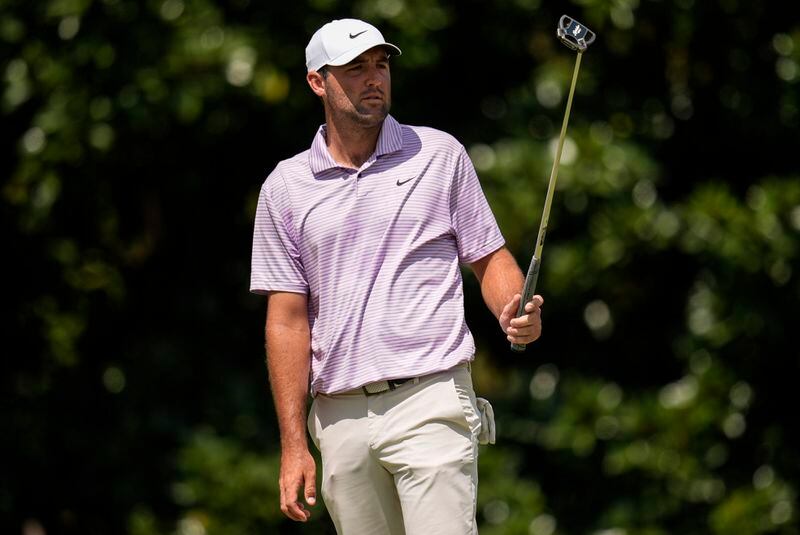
501,281
288,361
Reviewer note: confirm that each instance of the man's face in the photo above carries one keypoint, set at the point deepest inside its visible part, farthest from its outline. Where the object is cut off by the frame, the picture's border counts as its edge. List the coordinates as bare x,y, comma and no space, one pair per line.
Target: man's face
362,89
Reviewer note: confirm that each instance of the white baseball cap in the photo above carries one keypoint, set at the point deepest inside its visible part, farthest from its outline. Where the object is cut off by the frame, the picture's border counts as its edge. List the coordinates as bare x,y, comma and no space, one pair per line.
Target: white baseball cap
340,41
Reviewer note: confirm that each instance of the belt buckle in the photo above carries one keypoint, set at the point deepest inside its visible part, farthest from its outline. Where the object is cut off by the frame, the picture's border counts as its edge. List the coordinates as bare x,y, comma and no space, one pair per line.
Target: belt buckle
384,386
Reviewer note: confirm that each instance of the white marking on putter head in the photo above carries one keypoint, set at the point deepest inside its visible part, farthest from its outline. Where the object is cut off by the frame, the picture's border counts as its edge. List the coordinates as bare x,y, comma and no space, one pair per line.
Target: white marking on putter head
577,30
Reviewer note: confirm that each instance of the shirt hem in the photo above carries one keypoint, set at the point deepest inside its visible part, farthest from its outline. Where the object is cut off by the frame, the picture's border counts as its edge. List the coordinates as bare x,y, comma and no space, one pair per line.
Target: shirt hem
266,289
484,251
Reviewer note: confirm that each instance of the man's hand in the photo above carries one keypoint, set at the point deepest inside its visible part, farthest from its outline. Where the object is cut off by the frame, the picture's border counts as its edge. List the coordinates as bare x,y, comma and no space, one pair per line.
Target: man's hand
526,328
298,472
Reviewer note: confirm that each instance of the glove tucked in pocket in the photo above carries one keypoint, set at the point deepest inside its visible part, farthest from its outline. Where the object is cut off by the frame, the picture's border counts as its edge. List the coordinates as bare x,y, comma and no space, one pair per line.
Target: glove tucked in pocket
486,436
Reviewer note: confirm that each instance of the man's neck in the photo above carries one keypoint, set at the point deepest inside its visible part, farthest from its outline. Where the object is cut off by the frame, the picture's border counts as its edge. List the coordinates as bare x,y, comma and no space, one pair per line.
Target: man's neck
350,144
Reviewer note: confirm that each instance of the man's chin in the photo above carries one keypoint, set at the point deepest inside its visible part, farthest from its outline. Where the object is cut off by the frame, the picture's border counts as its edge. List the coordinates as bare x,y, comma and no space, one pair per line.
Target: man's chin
372,116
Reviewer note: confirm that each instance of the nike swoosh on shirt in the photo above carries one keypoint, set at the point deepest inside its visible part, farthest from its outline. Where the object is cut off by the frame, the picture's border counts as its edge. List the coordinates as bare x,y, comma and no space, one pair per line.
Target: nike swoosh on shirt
353,36
400,182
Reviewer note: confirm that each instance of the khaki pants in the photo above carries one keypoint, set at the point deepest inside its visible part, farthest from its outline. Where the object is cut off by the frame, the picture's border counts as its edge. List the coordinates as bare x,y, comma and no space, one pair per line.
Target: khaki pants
403,462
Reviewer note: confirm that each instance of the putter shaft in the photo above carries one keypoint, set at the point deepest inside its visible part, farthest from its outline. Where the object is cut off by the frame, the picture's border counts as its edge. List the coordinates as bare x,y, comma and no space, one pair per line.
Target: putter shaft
533,270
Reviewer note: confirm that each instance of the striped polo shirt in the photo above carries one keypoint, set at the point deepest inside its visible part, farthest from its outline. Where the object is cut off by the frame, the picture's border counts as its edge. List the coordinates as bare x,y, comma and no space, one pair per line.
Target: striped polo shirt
377,251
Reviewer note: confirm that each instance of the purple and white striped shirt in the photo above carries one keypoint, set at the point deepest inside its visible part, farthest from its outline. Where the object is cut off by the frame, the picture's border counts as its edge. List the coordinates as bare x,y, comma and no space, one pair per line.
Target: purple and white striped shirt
377,251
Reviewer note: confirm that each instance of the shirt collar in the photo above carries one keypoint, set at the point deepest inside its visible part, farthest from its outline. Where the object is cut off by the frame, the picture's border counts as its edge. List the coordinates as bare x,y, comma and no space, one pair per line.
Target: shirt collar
389,140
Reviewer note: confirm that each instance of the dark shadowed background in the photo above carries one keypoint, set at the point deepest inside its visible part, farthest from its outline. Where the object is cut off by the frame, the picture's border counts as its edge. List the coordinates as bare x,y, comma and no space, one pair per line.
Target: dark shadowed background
661,398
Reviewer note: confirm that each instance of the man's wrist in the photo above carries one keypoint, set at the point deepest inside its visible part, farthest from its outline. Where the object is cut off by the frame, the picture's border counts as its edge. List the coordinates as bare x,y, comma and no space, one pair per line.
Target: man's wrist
295,442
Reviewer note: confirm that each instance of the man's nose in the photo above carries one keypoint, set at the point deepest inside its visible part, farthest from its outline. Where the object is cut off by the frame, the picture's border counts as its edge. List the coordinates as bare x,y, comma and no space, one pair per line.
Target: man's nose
374,77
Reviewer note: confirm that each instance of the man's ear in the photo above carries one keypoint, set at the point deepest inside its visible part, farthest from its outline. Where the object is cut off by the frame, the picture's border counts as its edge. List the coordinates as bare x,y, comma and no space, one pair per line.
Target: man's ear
317,83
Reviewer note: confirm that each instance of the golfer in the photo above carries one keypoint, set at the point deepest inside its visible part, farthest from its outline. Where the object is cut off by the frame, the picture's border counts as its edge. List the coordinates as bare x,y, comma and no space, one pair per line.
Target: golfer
357,245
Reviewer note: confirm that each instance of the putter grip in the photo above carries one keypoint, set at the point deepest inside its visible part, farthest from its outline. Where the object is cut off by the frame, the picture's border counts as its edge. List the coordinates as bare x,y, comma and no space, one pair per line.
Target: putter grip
527,294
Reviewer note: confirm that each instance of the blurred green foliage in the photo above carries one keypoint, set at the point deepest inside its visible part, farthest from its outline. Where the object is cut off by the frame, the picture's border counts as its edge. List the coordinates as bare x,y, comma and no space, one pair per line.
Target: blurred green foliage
135,136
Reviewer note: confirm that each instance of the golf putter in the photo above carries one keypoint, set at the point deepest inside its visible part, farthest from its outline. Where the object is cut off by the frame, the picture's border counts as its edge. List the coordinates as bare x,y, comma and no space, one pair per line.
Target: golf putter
577,37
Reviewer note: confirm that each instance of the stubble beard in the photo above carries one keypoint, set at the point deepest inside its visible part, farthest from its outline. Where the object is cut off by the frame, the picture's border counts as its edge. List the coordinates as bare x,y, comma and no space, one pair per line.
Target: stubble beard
361,115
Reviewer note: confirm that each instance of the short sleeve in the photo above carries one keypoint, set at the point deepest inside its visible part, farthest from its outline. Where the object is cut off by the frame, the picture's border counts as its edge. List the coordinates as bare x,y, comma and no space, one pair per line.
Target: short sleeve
472,220
276,264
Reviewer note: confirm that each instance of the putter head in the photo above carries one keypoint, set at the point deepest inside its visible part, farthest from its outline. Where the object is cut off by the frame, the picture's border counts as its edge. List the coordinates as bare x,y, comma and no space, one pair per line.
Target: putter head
574,34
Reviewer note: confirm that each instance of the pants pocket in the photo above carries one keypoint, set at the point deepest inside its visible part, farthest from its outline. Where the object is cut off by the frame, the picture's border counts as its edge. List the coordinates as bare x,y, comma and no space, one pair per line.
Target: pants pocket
462,383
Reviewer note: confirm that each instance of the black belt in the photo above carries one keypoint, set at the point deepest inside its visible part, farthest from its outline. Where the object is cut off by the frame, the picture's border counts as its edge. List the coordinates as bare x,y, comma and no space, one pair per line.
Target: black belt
380,387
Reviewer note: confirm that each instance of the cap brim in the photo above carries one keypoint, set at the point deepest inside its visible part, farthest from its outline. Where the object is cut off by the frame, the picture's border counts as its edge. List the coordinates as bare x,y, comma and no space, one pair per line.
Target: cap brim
352,54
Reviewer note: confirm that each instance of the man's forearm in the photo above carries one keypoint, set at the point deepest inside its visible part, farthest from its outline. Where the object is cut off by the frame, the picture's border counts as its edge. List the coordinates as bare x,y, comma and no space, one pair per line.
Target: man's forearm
500,280
288,361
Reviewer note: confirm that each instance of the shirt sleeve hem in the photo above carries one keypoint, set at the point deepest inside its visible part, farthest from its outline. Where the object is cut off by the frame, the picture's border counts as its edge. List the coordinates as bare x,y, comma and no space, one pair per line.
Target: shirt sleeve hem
490,247
292,288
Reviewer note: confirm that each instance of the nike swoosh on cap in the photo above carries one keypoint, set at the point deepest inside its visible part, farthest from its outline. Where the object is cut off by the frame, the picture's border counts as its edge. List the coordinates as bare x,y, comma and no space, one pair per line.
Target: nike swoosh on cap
353,36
